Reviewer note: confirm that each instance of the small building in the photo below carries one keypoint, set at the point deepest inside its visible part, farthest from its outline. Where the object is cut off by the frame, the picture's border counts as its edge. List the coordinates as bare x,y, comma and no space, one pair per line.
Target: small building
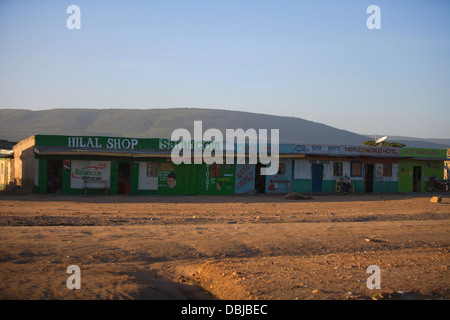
113,165
317,168
6,164
417,165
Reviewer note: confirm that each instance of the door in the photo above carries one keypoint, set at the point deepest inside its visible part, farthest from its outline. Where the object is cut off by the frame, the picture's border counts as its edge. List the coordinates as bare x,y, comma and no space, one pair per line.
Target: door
124,178
54,176
417,179
368,177
317,177
260,180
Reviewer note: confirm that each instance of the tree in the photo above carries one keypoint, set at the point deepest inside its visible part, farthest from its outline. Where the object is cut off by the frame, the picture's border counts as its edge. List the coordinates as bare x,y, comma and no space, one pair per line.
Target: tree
384,144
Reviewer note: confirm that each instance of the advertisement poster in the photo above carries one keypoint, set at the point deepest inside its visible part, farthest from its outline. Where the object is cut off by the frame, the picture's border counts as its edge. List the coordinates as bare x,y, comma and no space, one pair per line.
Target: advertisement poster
93,171
170,178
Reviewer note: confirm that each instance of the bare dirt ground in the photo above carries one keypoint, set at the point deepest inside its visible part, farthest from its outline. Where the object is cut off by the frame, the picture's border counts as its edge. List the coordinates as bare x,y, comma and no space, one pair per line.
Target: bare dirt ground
225,247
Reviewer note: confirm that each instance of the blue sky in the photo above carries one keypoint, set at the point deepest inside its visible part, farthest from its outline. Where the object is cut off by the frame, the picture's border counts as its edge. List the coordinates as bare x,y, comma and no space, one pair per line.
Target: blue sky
315,60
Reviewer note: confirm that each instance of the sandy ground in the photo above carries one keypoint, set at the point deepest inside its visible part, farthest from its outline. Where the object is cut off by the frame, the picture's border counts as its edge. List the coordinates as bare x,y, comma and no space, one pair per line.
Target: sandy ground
226,247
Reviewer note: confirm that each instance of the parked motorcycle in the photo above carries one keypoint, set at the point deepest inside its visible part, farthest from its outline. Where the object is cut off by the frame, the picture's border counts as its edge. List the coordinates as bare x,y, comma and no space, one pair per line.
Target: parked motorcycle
433,183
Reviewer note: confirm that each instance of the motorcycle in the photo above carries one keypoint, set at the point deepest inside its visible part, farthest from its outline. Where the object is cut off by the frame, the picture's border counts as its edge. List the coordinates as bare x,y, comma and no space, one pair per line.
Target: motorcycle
433,183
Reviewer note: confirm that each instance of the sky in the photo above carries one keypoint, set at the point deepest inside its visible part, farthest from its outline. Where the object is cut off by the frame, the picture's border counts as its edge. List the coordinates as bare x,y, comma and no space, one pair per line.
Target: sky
315,60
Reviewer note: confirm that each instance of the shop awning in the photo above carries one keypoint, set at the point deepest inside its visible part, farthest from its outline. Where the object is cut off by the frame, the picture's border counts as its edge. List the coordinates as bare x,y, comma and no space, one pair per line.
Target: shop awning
100,152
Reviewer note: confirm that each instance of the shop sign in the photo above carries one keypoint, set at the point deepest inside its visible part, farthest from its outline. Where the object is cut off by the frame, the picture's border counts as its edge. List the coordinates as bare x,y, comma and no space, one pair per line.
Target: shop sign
91,171
346,150
97,142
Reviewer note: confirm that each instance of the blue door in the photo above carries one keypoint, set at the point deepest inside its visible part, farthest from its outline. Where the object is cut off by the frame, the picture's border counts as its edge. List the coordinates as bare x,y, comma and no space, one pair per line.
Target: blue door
317,176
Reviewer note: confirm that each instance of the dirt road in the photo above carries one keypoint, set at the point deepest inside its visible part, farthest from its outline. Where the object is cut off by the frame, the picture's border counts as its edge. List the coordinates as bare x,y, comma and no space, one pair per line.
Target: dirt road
227,247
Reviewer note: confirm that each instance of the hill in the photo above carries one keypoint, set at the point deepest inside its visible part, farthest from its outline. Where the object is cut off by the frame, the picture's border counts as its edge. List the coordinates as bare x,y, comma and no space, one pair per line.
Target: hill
159,123
17,124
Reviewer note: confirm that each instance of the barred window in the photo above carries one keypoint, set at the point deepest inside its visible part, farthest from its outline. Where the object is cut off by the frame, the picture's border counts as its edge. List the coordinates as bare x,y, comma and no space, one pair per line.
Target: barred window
387,170
282,169
337,169
215,170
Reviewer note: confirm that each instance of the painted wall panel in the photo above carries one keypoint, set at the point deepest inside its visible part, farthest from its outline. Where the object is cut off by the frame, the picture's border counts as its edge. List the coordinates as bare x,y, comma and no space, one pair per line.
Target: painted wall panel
216,179
271,181
134,178
302,169
42,177
145,180
301,185
429,168
114,177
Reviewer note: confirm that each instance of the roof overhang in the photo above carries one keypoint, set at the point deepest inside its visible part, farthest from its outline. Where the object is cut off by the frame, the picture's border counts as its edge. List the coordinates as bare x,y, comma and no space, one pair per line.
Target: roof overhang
48,151
5,153
424,159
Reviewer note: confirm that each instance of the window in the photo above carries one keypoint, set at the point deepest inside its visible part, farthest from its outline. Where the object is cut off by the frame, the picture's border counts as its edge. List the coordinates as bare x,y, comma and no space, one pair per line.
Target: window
152,169
356,169
282,169
337,168
215,170
387,170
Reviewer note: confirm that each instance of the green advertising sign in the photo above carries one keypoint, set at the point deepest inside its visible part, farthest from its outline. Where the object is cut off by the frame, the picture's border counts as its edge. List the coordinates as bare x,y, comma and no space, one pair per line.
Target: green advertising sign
114,143
423,153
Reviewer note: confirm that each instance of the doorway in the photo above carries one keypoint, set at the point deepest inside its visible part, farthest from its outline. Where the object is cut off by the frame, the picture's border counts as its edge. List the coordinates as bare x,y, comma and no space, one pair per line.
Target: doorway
417,179
317,177
123,186
368,178
260,180
54,176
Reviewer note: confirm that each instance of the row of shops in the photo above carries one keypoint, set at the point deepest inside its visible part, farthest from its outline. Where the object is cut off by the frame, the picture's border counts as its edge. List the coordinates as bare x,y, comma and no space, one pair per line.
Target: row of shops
112,165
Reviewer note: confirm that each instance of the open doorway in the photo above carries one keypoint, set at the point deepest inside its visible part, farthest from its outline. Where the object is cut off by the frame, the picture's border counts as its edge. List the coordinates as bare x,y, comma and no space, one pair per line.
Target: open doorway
260,180
54,176
124,178
368,178
417,179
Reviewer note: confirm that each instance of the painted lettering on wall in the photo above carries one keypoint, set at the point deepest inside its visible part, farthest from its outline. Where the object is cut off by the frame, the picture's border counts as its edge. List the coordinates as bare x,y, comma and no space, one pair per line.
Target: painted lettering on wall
301,148
245,178
167,144
245,175
344,150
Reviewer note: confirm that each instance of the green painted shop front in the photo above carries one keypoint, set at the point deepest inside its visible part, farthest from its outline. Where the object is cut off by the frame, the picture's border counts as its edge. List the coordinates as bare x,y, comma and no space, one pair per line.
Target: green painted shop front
64,163
414,174
417,166
169,179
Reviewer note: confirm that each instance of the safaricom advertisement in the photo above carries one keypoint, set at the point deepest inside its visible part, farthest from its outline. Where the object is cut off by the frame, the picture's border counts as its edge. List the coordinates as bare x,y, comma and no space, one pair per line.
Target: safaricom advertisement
94,172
